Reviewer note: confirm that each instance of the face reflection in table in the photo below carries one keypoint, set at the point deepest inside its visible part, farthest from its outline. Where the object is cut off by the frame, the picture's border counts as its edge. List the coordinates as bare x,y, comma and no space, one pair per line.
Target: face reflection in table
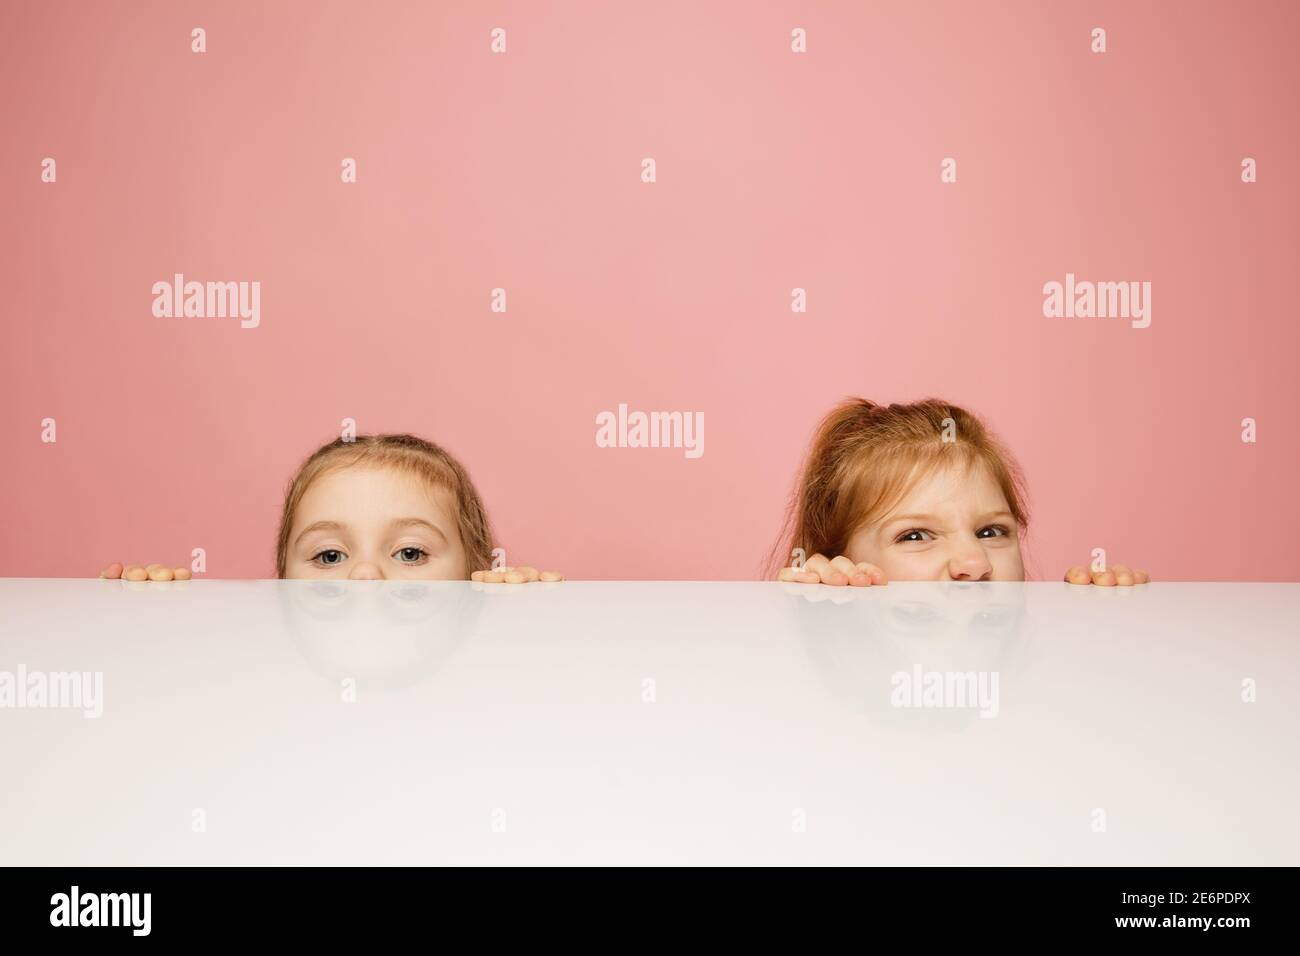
379,634
887,652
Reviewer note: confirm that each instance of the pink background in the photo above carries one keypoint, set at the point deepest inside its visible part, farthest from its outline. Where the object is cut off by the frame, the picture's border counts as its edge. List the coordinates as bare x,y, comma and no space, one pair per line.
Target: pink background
522,170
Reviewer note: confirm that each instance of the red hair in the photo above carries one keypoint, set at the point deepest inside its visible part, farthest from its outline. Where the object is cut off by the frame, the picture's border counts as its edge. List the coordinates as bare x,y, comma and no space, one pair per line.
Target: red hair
865,457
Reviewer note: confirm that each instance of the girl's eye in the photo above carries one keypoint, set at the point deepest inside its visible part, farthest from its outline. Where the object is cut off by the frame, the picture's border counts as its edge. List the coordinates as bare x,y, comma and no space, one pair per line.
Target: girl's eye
411,555
916,534
994,531
328,557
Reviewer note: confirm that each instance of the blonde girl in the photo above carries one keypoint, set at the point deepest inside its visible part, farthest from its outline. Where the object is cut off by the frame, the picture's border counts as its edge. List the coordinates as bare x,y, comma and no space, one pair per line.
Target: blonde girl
378,507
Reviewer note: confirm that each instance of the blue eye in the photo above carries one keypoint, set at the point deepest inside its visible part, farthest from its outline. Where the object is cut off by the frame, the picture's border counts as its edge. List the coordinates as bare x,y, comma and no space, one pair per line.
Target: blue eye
328,557
411,555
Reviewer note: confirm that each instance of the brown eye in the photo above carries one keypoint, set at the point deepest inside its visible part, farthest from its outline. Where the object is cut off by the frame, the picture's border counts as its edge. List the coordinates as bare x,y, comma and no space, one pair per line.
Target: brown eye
916,534
993,531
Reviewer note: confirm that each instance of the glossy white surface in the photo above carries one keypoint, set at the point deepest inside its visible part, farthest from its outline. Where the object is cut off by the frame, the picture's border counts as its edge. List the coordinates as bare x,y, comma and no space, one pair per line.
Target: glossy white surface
517,725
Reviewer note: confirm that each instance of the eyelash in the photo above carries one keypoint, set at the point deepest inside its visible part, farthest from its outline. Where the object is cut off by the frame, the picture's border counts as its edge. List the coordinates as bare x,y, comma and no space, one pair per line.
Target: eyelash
1003,531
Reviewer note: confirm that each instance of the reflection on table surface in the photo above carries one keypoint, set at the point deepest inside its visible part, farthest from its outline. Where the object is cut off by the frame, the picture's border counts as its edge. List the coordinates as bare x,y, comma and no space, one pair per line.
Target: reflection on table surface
639,722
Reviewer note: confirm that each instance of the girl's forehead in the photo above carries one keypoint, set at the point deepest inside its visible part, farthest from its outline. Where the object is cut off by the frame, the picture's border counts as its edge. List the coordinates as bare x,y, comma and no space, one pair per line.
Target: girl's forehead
954,486
369,489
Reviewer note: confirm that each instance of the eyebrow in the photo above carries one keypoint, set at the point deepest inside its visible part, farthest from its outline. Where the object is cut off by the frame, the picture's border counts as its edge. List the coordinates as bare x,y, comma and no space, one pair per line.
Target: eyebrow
417,522
318,526
987,516
393,525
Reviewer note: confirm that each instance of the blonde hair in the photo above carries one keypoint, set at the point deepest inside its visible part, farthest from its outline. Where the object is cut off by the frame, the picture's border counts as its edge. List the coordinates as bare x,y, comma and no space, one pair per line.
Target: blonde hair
408,453
865,457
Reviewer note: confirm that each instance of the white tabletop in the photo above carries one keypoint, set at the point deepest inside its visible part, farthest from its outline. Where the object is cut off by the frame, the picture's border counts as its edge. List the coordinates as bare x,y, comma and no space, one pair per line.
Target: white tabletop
584,722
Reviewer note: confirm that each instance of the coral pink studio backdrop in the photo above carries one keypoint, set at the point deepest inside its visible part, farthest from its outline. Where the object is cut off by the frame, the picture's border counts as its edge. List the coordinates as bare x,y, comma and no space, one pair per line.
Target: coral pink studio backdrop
775,170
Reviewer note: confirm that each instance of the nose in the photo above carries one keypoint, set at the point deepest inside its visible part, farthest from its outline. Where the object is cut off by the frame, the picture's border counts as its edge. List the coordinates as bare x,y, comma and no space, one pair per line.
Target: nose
365,571
971,564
